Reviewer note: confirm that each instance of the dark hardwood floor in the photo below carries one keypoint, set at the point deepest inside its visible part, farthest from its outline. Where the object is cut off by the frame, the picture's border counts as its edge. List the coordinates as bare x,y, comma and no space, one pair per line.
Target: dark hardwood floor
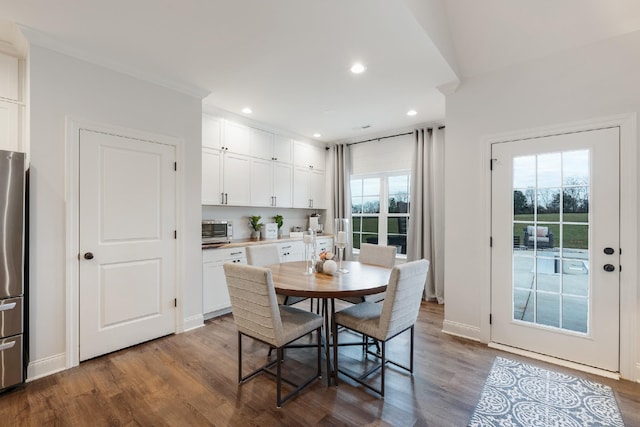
191,380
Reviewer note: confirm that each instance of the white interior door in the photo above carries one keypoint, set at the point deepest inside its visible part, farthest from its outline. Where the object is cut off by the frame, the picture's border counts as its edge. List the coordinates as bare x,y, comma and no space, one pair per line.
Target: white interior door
555,254
127,242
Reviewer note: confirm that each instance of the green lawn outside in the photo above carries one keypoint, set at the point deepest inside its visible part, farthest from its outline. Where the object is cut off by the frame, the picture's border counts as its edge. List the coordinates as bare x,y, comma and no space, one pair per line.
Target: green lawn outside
575,236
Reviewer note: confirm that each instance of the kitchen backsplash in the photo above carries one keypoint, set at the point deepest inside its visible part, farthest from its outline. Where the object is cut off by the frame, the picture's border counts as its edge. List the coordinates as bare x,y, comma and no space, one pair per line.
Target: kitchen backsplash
240,217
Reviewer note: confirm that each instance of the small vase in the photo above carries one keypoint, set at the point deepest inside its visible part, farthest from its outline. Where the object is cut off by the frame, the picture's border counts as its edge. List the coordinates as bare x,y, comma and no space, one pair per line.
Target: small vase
255,235
279,233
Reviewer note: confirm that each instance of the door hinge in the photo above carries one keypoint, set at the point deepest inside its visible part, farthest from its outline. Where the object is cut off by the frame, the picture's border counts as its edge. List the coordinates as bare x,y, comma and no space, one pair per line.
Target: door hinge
175,234
491,164
620,269
490,319
491,242
175,302
175,166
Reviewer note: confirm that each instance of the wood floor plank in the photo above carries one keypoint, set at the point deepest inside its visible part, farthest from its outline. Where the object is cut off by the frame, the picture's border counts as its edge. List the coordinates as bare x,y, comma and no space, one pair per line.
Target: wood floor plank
190,379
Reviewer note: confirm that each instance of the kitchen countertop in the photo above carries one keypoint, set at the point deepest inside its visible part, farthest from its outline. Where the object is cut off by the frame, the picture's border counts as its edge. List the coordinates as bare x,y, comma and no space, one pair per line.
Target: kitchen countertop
239,243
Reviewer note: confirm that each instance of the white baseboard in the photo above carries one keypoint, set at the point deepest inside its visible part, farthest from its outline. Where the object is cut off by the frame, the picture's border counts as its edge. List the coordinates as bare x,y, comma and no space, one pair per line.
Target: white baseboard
637,378
193,322
461,330
47,366
556,361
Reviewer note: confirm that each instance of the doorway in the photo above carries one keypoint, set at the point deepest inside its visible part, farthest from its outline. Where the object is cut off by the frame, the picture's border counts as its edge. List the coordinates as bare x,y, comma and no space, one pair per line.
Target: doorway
555,260
126,241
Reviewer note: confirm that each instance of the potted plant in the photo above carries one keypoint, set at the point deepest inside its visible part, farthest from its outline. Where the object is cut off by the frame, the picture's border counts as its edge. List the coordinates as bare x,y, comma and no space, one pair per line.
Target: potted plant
255,224
279,219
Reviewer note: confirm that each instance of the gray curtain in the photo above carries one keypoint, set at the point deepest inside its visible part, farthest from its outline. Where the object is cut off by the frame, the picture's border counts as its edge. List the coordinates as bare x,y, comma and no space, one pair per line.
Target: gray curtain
425,237
341,195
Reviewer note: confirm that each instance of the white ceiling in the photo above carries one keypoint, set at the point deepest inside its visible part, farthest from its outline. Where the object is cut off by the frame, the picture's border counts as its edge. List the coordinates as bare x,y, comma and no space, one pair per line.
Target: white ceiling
289,59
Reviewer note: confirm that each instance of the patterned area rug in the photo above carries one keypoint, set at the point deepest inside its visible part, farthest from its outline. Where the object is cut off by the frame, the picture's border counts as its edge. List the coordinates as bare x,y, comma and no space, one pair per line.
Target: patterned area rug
517,395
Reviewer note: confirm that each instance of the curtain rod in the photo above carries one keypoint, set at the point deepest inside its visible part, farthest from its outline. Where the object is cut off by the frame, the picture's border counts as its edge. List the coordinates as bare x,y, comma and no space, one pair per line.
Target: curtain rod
385,137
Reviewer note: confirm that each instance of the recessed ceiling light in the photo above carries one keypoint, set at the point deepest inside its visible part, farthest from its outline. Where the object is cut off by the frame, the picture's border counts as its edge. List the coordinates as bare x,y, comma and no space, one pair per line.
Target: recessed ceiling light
358,68
412,113
247,110
317,135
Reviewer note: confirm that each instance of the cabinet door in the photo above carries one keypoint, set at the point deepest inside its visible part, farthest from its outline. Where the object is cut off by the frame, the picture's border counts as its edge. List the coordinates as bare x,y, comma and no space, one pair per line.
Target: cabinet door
317,157
215,295
301,154
283,184
324,244
211,177
282,148
317,189
237,179
9,77
301,197
237,138
261,144
211,132
261,182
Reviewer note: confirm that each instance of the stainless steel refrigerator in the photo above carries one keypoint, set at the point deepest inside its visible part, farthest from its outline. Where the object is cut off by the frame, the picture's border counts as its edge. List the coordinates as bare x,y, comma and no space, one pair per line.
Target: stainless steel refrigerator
12,233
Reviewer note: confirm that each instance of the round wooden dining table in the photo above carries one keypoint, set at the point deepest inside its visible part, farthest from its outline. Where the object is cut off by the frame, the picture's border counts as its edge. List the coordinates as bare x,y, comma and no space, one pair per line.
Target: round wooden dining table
289,279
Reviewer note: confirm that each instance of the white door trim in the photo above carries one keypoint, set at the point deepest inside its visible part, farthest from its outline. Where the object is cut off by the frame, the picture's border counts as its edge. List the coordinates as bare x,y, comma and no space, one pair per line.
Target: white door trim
72,217
628,226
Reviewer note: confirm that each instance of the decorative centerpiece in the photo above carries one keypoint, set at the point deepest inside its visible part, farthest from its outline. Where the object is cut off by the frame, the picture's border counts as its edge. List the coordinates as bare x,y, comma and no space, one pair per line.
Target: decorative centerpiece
326,264
342,230
255,224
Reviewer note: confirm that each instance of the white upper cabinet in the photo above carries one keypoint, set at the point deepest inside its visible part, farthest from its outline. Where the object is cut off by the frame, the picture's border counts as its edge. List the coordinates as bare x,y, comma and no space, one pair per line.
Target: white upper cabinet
9,120
236,138
261,144
211,132
237,179
282,148
212,193
269,146
9,82
308,155
271,183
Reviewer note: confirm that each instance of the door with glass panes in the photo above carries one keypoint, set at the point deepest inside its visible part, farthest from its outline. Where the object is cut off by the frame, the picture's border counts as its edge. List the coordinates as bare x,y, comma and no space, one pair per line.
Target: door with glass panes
555,246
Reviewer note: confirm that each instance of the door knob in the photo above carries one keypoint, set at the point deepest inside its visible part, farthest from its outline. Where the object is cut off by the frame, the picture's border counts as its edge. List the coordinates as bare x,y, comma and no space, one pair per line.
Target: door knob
88,255
609,267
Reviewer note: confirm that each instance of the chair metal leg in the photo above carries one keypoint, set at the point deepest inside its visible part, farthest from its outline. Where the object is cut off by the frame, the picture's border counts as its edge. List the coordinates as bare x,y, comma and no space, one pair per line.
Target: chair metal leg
279,377
384,363
411,355
239,357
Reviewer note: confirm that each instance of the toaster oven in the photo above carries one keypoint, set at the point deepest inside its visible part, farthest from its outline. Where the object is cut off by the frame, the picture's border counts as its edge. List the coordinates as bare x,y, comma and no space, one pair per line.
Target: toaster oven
217,231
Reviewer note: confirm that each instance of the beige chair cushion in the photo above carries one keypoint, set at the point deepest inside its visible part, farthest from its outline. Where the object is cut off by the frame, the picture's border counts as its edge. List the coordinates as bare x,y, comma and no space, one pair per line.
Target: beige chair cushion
256,311
262,255
398,311
384,256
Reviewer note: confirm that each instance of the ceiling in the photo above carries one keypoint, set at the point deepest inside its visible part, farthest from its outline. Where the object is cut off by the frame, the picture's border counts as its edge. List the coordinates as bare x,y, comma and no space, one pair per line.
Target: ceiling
289,60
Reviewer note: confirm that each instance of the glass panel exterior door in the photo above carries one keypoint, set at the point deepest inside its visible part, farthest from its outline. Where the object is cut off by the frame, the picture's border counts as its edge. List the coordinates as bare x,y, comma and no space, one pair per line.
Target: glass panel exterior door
555,254
551,239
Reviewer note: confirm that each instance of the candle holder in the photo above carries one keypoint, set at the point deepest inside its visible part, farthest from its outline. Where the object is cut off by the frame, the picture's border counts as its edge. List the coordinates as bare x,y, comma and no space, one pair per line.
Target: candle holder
342,232
309,240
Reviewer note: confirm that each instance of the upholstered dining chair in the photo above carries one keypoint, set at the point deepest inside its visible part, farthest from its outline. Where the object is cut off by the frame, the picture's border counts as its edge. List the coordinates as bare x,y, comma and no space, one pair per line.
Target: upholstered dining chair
382,322
261,255
258,315
384,256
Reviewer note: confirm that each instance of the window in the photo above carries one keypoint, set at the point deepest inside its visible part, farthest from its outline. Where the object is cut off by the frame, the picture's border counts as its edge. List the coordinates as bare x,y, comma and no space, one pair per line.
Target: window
380,209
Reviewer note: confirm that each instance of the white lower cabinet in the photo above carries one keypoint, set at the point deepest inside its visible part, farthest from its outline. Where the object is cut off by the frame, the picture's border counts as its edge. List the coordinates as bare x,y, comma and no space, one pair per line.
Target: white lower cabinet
324,244
215,296
291,251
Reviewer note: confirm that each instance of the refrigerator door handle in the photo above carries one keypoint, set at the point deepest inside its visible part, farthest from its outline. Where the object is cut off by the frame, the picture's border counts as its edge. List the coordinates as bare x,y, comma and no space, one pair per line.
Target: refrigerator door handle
5,307
7,345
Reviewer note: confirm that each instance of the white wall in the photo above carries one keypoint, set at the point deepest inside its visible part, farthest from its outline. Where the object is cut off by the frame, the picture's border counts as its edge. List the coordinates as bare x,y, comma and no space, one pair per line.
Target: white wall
600,80
61,86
